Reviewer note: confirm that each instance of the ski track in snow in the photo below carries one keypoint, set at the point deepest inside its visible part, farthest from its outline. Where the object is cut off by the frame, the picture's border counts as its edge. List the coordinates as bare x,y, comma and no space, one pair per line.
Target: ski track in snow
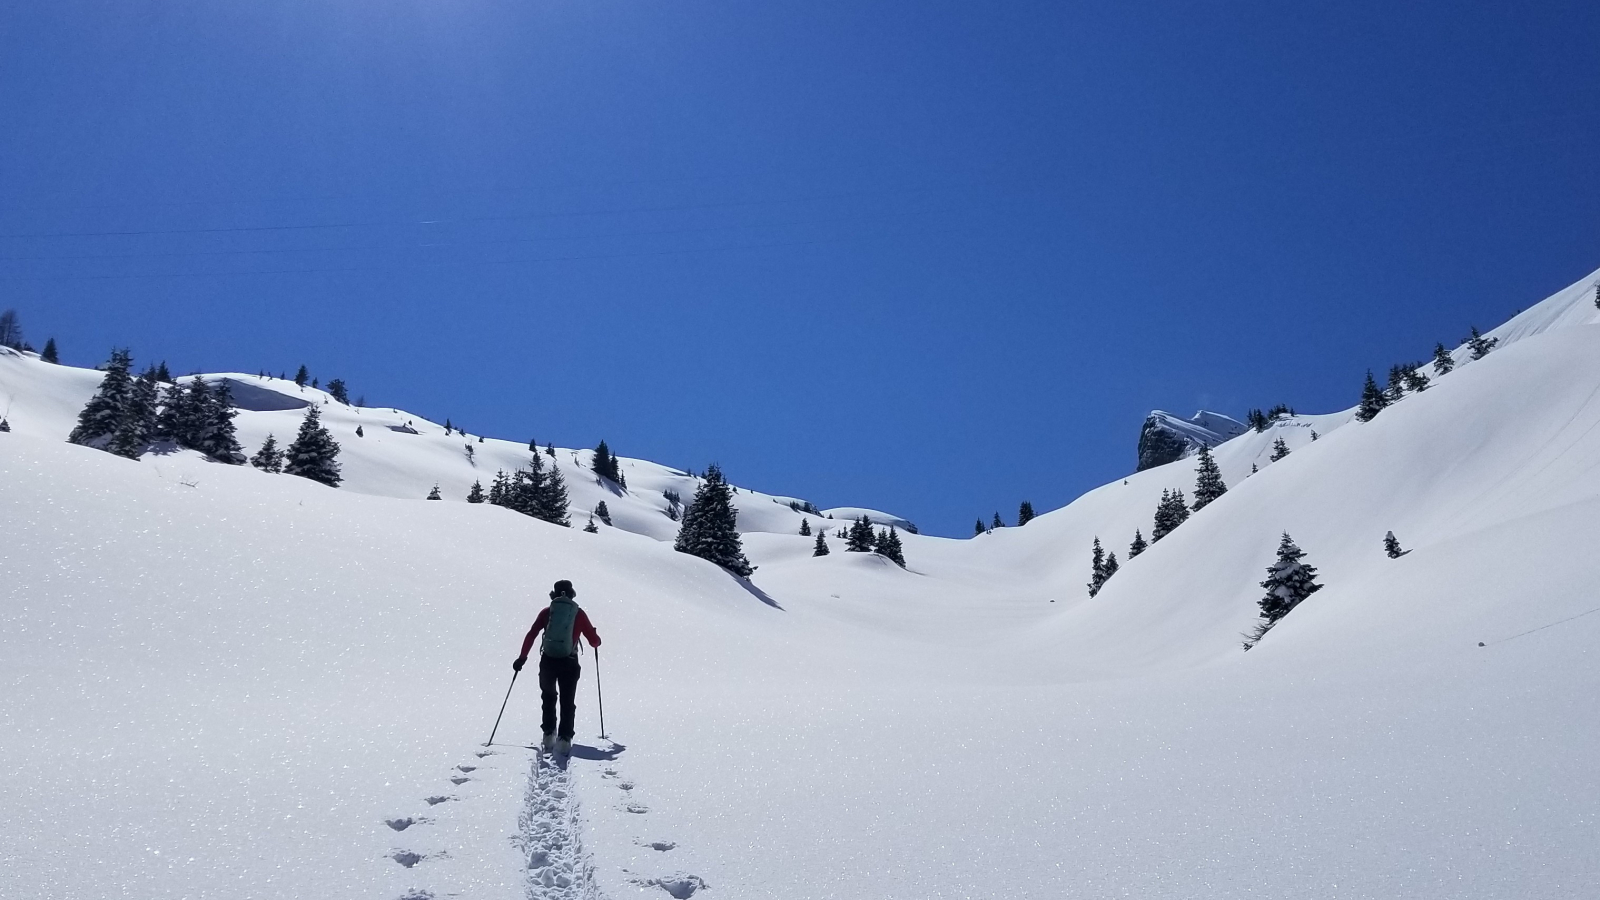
551,825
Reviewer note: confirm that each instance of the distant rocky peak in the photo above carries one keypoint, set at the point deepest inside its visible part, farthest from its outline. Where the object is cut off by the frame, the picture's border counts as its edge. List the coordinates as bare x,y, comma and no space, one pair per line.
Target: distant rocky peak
1166,438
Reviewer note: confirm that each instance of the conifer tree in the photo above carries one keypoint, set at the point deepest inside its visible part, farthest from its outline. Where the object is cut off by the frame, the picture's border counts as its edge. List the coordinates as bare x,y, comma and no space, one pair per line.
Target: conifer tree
1208,484
533,445
820,547
163,374
805,528
102,415
1289,582
476,494
1443,362
1480,345
550,450
1254,469
269,458
1111,565
219,438
1416,381
498,489
10,330
338,391
861,538
1395,391
1258,420
434,494
1138,546
360,432
1372,400
5,424
138,418
49,355
301,377
602,512
591,528
1171,512
551,500
1097,569
1391,546
710,526
978,528
997,523
314,453
1024,514
1279,450
888,544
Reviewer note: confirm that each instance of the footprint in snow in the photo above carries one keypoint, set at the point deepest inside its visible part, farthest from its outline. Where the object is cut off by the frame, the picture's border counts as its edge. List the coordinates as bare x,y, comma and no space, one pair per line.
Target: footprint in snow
417,894
626,785
401,824
663,846
406,858
483,753
639,808
435,801
679,886
467,768
460,780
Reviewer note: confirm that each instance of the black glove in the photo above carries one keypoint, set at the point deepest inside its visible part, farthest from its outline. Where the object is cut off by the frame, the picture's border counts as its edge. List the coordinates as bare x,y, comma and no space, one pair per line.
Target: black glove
516,666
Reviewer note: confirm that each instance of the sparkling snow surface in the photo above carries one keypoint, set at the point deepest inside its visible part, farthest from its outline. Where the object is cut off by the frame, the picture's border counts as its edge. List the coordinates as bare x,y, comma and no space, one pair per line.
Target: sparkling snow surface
220,683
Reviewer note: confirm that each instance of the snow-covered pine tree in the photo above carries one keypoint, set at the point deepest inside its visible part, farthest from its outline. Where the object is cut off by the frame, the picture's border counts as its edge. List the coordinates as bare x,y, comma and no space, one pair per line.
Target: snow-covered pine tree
1480,345
50,355
1372,400
269,458
1391,546
1208,484
1097,569
1416,381
5,424
1280,449
1024,514
710,526
1111,565
861,537
434,494
314,453
219,439
604,465
1258,420
498,489
1289,582
301,377
476,494
1443,362
552,504
602,512
1171,512
138,418
1395,391
338,391
591,528
1254,469
805,528
102,415
891,547
1138,546
820,547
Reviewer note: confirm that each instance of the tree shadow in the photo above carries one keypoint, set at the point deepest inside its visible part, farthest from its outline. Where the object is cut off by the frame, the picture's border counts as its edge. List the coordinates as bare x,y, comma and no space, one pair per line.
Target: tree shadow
757,593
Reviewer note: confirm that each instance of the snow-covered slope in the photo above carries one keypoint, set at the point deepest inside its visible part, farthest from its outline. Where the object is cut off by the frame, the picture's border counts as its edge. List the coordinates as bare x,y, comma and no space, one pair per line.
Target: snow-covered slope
218,683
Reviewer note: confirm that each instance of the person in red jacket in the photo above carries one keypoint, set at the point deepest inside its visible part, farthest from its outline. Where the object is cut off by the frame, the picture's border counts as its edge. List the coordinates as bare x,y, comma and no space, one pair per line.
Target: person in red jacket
562,622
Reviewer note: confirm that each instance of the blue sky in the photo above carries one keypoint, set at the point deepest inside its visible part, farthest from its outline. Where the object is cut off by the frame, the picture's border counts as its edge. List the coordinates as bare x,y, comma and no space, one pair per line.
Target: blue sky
936,258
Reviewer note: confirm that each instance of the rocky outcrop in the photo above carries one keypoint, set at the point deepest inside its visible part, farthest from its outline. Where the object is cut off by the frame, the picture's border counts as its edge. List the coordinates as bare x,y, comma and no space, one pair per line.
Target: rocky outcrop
1166,438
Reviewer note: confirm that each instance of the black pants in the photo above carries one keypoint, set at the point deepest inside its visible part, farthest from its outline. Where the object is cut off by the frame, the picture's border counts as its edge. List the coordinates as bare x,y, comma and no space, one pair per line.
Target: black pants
559,672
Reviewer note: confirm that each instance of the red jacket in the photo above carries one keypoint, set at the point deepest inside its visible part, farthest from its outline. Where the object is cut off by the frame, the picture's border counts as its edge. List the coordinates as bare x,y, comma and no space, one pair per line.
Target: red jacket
580,625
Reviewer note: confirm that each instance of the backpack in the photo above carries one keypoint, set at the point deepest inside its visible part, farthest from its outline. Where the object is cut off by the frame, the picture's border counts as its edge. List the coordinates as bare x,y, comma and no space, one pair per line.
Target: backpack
558,637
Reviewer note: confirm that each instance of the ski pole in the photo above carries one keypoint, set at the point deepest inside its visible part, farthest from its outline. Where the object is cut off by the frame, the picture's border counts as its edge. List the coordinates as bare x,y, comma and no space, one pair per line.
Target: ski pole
599,695
514,673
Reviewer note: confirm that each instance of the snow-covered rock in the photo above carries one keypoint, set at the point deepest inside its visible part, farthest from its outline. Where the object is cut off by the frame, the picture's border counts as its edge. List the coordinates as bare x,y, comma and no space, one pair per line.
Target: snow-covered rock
1166,438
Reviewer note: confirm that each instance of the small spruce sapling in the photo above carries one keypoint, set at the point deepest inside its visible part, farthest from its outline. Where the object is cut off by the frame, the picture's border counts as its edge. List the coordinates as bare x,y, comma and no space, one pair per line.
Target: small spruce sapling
1480,345
301,377
997,523
434,494
1138,546
977,528
591,528
1373,400
1280,449
805,528
1443,362
476,494
602,512
338,391
1208,484
1097,568
269,458
1289,582
49,355
820,547
1391,546
1024,514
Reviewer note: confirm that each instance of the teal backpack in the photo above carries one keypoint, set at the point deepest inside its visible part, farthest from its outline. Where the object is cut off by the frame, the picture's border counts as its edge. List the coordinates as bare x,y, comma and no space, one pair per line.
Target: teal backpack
558,638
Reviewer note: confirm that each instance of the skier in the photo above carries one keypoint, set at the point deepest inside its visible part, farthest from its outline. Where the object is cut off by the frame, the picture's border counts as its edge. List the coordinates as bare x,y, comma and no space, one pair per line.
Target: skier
562,622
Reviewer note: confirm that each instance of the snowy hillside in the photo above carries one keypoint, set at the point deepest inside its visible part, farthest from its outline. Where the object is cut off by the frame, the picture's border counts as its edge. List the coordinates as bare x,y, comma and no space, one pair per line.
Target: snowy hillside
397,454
221,683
